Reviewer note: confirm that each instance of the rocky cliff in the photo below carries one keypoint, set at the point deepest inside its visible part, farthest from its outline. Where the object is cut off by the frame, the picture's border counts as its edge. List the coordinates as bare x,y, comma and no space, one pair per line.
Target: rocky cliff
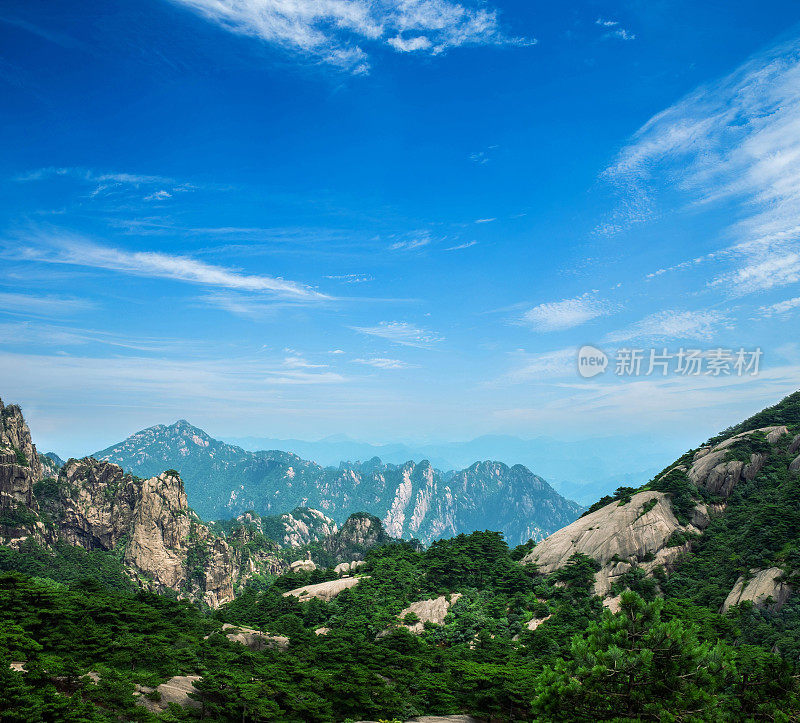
412,500
95,505
714,510
20,466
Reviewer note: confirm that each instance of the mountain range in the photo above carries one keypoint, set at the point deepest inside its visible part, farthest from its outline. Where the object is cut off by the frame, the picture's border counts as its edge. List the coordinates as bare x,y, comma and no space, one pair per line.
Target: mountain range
581,470
411,499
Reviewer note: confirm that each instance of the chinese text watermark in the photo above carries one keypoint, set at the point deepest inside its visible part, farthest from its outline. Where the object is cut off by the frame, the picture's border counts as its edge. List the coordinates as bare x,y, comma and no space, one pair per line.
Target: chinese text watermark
636,362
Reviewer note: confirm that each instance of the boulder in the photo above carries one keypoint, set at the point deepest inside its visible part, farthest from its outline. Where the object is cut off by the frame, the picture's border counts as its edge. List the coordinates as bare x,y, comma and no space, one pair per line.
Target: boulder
324,590
618,537
348,568
175,690
429,611
760,587
254,639
302,566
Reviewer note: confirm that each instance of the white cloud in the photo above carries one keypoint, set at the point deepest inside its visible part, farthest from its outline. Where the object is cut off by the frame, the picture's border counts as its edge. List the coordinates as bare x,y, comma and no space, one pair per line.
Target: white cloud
401,332
330,30
112,183
735,141
614,31
61,248
412,241
485,220
699,325
781,308
407,45
384,363
161,195
622,34
46,305
529,367
351,278
467,245
565,314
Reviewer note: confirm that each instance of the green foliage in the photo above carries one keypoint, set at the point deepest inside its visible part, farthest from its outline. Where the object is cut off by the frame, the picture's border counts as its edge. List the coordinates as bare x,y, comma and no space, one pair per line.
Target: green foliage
46,489
646,507
67,564
637,666
622,495
22,460
742,449
479,560
17,516
681,491
521,550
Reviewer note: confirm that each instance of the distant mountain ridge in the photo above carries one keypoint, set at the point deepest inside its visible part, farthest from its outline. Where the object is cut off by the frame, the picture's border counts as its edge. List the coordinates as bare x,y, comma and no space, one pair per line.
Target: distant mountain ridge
411,499
582,470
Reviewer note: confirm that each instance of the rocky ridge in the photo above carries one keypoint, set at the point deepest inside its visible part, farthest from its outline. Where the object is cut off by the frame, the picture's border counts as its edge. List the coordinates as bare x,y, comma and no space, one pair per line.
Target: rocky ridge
650,529
95,505
412,500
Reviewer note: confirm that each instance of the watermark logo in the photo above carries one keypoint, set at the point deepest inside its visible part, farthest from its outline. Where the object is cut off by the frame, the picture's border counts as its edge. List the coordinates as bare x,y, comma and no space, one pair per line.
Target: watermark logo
661,362
591,361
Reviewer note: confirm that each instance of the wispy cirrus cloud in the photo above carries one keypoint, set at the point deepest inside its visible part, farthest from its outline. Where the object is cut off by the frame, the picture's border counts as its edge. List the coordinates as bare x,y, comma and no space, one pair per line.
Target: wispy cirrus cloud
156,188
42,305
613,29
401,332
412,241
384,363
663,325
735,141
351,278
461,247
332,31
68,249
531,367
781,308
565,314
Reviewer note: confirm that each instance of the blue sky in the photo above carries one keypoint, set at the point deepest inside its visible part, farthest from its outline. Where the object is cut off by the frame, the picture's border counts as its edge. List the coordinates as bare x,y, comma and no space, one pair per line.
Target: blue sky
395,220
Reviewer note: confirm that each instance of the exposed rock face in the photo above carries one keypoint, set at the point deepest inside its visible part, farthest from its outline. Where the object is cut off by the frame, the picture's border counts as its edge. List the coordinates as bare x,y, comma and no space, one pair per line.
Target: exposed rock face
20,466
175,690
254,639
429,611
302,566
348,568
297,528
412,500
358,534
324,590
99,507
51,464
306,527
711,469
618,537
760,587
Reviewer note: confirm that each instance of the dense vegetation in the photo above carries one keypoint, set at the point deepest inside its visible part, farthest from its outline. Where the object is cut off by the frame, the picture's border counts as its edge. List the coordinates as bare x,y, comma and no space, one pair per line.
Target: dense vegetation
578,665
516,645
